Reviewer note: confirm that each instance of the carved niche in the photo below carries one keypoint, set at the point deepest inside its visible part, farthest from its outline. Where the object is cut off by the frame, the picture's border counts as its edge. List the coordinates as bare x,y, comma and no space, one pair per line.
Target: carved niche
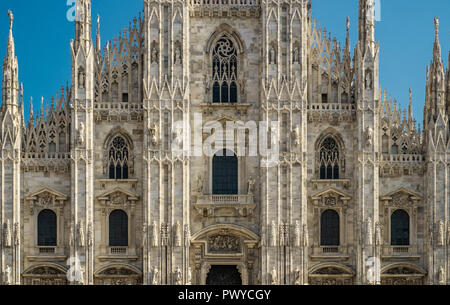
402,276
331,197
331,276
45,199
117,198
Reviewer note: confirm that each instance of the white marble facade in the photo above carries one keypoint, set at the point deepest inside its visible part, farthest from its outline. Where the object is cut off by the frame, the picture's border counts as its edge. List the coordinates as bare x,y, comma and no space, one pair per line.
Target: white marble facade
345,148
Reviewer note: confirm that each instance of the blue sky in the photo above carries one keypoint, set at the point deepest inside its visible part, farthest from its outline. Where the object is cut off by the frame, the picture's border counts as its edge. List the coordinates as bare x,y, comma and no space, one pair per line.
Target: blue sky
406,34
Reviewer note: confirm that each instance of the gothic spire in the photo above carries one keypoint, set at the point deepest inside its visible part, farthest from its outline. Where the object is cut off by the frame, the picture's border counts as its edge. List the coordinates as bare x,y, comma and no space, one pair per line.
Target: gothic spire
10,71
83,23
366,24
437,45
347,41
98,40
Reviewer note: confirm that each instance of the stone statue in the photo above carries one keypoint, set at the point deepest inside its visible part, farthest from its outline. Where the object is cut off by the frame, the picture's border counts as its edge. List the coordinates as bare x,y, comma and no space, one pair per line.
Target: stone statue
81,277
296,136
274,277
272,55
369,79
298,277
187,235
189,277
11,19
154,134
155,234
178,234
154,55
305,236
369,232
81,80
90,235
7,242
155,276
16,234
144,235
369,136
71,237
298,234
81,134
251,186
295,55
177,56
199,184
378,234
441,233
273,233
7,275
81,242
442,279
178,276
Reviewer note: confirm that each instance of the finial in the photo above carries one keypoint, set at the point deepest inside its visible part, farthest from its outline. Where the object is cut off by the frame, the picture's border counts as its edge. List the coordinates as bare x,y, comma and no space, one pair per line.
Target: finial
436,26
98,19
11,19
348,23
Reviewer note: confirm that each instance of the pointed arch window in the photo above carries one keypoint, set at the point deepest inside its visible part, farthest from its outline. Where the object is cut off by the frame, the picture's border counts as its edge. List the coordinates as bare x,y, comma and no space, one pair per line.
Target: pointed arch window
118,158
329,228
329,159
225,173
118,229
224,71
47,228
400,228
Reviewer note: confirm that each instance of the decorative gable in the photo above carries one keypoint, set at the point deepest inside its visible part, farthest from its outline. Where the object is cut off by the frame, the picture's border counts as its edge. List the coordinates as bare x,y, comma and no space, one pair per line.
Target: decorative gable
118,197
402,197
331,197
45,198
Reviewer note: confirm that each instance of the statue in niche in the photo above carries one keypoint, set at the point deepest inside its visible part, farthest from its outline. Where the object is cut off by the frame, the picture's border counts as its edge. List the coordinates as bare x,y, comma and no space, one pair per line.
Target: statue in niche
298,277
177,59
305,236
7,234
369,233
369,80
272,59
81,80
296,135
369,136
154,134
251,186
144,235
178,234
90,235
16,234
155,276
298,234
154,55
81,242
442,280
71,237
274,277
178,276
7,275
81,134
189,277
378,234
273,241
296,55
441,233
80,279
155,234
199,184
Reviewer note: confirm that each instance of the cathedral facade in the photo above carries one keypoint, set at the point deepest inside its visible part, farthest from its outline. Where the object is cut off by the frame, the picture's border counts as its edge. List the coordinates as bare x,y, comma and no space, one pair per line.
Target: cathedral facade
94,191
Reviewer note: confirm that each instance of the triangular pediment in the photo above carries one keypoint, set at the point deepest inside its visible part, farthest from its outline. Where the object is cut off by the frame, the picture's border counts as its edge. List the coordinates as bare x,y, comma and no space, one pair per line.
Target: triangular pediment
331,192
46,192
402,191
117,194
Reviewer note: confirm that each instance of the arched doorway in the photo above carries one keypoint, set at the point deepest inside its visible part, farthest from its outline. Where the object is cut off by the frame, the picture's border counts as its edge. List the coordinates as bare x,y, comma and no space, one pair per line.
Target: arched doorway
224,275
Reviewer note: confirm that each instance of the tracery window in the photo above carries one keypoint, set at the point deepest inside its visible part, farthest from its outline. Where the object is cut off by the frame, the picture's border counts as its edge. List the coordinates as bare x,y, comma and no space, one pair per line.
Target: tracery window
329,159
400,228
118,158
329,228
225,66
47,228
225,173
118,229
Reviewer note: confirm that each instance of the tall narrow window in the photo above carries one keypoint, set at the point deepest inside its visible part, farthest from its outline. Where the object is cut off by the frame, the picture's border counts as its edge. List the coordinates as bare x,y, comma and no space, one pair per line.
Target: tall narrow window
225,65
118,159
400,228
47,228
225,173
329,159
118,229
329,228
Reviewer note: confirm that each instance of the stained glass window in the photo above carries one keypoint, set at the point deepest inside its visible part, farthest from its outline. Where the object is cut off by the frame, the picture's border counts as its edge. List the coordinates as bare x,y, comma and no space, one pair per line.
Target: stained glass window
225,173
47,228
329,159
224,64
400,228
118,159
329,228
118,229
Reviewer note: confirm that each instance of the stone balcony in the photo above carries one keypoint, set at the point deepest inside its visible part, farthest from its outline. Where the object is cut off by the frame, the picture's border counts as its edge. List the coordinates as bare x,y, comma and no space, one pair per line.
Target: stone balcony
393,253
224,205
224,8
